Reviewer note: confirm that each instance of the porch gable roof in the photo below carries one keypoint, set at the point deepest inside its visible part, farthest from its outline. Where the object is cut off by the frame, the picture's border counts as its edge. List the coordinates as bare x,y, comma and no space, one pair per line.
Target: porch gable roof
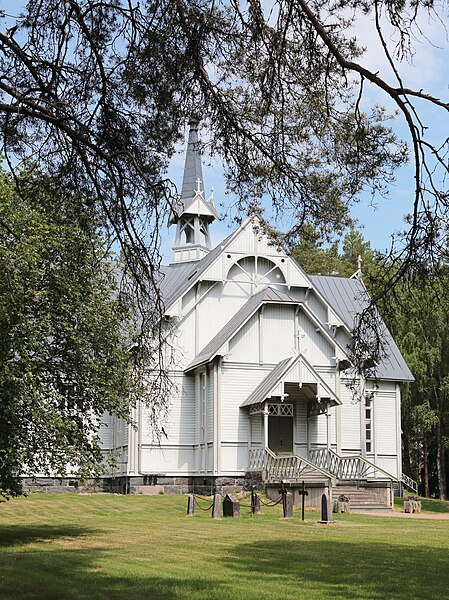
296,369
265,296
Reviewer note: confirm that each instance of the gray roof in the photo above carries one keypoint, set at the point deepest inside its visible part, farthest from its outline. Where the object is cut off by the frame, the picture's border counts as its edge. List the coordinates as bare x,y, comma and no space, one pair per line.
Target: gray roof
193,171
178,277
235,323
173,275
263,390
192,168
348,298
266,386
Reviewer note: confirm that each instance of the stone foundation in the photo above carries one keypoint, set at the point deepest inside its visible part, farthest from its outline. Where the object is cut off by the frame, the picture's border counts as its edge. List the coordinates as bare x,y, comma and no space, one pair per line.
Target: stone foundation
312,500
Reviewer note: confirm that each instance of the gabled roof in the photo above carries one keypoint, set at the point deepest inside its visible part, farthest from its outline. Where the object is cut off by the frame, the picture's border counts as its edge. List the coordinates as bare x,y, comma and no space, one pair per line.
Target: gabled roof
267,295
270,385
186,278
348,297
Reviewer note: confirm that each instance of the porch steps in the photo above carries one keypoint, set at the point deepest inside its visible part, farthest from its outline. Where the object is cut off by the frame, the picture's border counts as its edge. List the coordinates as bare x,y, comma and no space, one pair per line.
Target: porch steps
361,499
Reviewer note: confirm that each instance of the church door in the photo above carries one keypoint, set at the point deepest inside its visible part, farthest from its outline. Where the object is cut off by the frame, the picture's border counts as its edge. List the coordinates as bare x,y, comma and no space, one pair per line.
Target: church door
280,429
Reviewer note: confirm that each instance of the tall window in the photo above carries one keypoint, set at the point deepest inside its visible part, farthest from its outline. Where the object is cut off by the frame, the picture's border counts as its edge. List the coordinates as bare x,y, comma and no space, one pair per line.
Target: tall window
203,397
368,423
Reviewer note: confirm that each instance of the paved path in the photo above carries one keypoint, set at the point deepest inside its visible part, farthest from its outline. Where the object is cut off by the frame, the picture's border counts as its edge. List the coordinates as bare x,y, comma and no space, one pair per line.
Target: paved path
402,515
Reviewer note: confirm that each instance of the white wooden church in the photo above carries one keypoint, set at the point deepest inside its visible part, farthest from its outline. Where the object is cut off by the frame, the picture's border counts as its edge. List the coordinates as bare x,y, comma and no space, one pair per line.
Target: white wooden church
261,373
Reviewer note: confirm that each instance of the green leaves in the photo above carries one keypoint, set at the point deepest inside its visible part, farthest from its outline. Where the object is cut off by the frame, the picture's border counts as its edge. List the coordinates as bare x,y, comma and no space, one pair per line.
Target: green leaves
64,356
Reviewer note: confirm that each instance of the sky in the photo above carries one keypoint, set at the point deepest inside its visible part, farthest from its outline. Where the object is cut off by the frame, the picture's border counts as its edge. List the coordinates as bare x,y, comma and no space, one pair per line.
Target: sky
378,217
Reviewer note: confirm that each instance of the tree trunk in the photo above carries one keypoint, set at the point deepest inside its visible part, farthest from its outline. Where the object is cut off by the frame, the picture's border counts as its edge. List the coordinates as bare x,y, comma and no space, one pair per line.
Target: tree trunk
441,463
426,467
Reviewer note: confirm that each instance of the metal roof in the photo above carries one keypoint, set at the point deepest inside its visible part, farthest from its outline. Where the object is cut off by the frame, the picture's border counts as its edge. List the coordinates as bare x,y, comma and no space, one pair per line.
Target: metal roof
348,297
192,179
265,388
237,321
182,280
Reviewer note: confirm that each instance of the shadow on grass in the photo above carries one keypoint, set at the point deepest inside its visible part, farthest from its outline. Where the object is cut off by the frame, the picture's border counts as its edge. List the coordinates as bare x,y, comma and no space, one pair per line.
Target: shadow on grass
305,569
337,569
16,535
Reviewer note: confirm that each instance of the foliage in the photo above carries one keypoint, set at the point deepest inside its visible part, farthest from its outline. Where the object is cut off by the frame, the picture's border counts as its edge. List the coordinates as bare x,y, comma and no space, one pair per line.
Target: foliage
98,92
64,356
415,312
417,316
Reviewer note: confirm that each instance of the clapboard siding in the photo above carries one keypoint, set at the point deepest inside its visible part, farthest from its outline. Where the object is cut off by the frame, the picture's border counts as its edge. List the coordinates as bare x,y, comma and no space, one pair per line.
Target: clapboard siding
237,384
180,421
167,459
106,431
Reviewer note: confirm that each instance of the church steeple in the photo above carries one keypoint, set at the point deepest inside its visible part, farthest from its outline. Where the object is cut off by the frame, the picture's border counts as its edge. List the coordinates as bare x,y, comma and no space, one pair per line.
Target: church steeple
193,213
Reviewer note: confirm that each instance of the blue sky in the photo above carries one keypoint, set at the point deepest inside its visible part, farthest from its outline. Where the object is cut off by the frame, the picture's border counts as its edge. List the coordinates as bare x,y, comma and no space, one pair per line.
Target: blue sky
379,217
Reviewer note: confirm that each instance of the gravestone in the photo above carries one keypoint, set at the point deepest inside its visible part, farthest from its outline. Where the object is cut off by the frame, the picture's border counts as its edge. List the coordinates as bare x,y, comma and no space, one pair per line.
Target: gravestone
326,510
287,505
231,506
191,505
216,506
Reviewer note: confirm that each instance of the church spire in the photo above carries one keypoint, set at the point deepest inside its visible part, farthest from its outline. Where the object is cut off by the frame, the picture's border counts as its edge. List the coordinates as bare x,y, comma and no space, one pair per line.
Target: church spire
193,213
193,170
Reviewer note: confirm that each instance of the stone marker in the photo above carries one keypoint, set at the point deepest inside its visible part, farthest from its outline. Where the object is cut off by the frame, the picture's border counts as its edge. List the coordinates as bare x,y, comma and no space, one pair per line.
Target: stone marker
216,506
287,505
326,510
231,506
191,505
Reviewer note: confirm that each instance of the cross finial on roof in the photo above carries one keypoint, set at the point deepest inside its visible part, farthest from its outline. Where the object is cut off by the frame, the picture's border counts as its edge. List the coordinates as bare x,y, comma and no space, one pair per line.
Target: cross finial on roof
198,183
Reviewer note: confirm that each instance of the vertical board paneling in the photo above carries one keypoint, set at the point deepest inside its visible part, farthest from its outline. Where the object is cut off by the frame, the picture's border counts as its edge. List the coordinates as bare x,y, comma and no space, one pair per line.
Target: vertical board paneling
385,423
256,429
210,405
313,344
278,337
244,346
350,420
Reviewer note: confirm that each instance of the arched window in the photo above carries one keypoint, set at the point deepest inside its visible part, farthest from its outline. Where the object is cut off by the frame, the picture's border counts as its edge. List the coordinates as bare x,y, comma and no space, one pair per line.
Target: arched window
256,270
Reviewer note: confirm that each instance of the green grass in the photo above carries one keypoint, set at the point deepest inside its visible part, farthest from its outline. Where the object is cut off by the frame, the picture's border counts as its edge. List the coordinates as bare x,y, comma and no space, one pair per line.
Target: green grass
135,547
428,505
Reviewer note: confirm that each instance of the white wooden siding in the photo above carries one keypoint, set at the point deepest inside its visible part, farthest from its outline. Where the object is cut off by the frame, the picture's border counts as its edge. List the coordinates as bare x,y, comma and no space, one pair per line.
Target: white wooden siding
180,422
210,405
237,384
244,346
167,459
106,431
313,344
234,457
350,420
385,424
317,307
278,333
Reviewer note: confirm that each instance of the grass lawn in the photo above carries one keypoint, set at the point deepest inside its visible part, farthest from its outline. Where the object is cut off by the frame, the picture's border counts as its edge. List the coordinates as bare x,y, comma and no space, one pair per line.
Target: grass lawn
136,547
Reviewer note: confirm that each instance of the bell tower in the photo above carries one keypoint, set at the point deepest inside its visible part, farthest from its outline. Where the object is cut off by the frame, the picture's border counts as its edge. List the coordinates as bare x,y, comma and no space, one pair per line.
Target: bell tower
194,213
